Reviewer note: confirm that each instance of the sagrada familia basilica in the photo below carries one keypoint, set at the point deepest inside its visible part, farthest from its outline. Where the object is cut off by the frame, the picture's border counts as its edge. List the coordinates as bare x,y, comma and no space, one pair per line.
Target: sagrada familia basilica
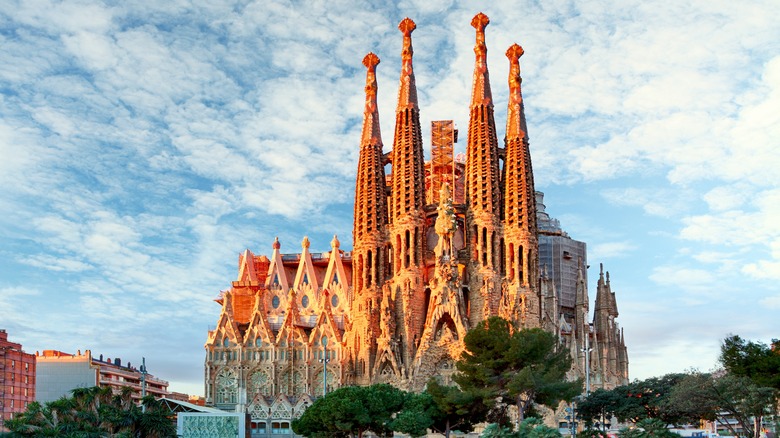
437,248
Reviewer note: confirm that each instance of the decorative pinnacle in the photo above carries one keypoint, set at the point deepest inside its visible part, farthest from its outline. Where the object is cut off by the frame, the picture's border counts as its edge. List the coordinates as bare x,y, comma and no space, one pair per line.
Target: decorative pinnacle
277,245
407,93
407,26
335,242
305,243
514,53
371,61
371,135
479,22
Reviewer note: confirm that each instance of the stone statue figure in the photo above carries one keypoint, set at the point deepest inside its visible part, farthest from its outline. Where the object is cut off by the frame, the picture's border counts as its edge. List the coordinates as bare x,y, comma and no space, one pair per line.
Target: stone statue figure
446,223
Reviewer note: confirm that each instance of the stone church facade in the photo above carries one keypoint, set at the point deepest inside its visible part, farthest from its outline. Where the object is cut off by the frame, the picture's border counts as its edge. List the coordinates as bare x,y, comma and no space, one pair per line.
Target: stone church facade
425,266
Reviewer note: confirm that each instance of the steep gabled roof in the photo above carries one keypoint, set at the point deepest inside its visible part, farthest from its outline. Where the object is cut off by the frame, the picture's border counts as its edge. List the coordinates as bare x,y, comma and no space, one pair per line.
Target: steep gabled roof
306,274
276,273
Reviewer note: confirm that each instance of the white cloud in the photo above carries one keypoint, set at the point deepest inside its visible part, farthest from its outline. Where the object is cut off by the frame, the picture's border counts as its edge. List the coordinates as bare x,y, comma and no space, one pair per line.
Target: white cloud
772,302
608,250
692,280
655,202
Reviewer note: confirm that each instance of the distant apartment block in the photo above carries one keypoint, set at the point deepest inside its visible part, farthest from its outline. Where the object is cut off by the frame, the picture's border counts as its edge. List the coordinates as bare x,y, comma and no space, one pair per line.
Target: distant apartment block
17,379
59,373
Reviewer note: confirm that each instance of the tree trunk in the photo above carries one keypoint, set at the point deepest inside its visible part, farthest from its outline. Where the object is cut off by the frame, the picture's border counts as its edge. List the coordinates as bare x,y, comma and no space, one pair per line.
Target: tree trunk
520,410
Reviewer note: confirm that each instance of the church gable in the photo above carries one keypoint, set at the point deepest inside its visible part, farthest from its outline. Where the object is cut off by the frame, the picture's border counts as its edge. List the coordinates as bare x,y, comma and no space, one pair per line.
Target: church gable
277,276
281,408
227,329
246,268
259,329
306,276
336,274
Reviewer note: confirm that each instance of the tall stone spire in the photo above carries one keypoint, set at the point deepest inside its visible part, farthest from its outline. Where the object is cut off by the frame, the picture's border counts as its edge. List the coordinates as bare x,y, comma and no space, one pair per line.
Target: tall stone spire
408,190
369,233
483,193
519,193
520,233
407,217
482,148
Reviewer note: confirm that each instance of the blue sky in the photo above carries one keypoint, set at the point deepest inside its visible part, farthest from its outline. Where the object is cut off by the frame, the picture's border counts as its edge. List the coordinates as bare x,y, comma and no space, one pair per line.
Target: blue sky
143,145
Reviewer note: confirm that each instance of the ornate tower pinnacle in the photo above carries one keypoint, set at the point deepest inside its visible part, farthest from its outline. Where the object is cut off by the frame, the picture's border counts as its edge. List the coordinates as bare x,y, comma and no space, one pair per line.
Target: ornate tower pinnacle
515,125
371,133
369,230
408,186
407,92
407,199
481,93
483,191
520,231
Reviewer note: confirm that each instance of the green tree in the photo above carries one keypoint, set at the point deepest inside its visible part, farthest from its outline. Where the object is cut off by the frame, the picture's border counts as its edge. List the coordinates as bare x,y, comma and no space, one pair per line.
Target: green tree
517,367
724,398
639,400
417,415
529,428
94,412
591,433
351,411
648,428
455,409
755,360
643,399
598,405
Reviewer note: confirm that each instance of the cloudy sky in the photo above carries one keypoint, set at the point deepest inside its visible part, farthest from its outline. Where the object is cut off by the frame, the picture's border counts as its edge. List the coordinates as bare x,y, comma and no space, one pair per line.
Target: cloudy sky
143,145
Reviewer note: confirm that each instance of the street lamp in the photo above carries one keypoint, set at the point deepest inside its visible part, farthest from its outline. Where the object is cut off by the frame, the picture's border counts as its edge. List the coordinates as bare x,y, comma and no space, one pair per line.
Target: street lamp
587,351
324,361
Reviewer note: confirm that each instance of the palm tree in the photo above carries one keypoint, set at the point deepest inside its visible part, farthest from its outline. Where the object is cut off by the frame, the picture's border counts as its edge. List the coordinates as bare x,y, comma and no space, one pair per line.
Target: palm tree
94,412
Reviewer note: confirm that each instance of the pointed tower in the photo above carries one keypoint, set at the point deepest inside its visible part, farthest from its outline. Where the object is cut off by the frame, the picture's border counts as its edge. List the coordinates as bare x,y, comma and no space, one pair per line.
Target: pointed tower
603,305
483,193
581,327
407,200
370,229
520,233
603,324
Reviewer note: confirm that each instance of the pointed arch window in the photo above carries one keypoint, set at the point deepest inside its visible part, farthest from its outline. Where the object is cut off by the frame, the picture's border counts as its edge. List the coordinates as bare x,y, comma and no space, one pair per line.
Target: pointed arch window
305,279
521,264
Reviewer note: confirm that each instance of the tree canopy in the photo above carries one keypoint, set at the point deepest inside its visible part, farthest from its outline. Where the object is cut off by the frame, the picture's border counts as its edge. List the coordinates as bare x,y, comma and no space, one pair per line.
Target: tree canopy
755,360
351,411
636,401
740,395
723,398
648,428
94,412
529,428
504,366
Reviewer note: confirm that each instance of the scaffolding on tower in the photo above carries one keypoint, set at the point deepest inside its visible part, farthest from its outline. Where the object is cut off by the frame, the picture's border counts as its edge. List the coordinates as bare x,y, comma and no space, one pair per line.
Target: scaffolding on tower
441,168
